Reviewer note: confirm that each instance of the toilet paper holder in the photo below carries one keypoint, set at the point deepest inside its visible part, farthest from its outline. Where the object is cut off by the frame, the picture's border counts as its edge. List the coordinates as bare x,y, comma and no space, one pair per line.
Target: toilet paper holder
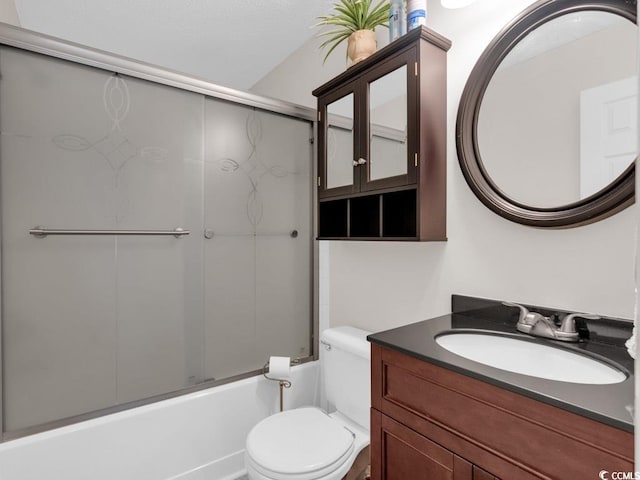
282,382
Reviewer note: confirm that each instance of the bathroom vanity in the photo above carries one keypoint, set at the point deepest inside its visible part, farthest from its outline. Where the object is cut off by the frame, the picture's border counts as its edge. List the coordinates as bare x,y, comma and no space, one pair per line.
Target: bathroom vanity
437,415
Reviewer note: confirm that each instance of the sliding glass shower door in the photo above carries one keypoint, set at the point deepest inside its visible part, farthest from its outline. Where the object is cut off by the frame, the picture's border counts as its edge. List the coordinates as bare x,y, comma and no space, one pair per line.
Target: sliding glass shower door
113,307
257,253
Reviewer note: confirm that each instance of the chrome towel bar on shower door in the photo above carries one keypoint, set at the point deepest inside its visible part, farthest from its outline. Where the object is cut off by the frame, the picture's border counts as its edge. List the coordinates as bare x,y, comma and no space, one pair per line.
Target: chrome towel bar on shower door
43,232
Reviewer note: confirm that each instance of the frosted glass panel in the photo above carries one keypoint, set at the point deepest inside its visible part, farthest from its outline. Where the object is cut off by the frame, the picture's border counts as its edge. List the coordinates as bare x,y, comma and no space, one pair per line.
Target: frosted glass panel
388,125
160,188
92,322
98,321
59,294
257,212
230,307
340,157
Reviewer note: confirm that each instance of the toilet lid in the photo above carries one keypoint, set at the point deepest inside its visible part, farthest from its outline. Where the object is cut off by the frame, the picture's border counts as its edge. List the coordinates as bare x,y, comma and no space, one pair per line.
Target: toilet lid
299,441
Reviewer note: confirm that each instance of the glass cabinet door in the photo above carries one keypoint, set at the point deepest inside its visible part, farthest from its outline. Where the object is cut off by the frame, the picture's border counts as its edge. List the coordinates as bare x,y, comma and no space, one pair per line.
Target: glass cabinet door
368,132
390,117
388,125
339,143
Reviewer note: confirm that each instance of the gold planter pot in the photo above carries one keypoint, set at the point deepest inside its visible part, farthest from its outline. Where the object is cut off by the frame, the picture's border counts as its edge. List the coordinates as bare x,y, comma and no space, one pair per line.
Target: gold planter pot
361,44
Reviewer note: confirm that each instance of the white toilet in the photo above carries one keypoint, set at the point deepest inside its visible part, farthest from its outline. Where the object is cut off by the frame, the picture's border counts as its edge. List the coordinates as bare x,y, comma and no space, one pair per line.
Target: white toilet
307,443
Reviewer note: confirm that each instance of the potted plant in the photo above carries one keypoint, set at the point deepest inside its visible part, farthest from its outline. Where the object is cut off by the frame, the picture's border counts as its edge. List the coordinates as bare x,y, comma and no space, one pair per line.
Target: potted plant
355,21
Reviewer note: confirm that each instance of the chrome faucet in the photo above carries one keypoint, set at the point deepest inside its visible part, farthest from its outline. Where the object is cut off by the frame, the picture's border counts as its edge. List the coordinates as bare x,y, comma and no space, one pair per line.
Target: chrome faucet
538,325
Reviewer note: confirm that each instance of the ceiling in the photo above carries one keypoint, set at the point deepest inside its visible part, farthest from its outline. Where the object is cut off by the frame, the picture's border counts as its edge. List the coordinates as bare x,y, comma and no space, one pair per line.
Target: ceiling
233,43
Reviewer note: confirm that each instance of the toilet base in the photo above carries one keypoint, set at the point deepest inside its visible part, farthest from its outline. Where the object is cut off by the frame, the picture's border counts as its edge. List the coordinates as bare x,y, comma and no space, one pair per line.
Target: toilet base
361,441
361,469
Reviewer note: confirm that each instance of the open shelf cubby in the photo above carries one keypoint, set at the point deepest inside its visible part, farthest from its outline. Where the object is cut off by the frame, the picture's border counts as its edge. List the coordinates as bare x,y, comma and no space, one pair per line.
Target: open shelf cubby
399,214
333,219
365,216
389,215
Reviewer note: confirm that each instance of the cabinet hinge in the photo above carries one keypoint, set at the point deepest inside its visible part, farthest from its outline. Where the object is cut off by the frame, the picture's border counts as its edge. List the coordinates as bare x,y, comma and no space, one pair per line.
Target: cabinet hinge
319,181
415,159
319,115
415,68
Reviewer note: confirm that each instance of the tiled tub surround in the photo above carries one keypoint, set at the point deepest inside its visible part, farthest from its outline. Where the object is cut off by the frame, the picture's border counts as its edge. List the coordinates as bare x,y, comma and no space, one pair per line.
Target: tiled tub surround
199,436
611,404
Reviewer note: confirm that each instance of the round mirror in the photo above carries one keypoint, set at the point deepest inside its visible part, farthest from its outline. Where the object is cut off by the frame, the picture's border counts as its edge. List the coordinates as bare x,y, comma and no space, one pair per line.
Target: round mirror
547,126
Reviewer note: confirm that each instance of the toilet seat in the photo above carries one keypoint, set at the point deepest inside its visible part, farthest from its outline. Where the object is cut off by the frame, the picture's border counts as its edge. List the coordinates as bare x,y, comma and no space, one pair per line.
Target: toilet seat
304,443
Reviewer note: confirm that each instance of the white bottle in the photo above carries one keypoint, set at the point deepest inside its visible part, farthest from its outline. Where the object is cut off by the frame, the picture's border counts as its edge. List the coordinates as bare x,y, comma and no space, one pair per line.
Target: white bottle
397,19
416,13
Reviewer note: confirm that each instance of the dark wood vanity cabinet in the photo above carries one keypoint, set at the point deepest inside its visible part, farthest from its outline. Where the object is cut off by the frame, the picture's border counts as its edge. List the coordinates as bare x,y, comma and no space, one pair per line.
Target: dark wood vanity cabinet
382,144
428,422
403,454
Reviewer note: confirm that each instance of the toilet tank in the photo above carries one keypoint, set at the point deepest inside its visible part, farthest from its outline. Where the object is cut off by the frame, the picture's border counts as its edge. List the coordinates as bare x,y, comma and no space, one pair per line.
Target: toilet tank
346,369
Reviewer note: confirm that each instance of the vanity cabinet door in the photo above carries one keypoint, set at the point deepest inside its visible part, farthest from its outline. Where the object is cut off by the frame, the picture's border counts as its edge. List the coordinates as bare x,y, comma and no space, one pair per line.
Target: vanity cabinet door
480,474
399,453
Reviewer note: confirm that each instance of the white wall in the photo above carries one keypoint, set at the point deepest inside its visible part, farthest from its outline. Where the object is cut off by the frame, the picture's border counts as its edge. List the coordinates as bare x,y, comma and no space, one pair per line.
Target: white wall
8,13
379,285
304,70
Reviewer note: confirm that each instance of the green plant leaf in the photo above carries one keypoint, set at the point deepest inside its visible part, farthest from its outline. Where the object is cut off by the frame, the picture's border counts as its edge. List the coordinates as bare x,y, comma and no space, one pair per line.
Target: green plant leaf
350,16
335,41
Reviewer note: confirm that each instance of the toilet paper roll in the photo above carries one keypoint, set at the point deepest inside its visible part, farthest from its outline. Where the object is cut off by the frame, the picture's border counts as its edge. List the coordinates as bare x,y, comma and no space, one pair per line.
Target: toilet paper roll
280,368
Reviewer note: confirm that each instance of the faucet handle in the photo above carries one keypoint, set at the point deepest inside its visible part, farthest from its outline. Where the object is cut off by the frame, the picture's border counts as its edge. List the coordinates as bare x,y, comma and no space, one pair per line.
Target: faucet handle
523,310
568,324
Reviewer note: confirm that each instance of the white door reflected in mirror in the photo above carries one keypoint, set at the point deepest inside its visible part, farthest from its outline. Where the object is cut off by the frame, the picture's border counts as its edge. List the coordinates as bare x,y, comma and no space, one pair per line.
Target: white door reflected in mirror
608,133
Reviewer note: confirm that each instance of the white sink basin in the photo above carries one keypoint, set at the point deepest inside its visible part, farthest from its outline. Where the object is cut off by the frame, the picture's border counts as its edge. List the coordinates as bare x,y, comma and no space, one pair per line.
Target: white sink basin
529,358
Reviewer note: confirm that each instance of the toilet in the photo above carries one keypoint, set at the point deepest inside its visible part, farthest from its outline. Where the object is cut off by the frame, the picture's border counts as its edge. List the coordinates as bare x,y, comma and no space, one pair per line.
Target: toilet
308,443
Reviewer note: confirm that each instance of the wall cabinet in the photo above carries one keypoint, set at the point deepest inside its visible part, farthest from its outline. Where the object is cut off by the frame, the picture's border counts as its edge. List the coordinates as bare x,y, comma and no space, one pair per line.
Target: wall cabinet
428,422
382,144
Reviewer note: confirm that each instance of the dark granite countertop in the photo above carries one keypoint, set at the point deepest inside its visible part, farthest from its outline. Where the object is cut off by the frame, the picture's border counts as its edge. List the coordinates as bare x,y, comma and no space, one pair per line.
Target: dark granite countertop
611,404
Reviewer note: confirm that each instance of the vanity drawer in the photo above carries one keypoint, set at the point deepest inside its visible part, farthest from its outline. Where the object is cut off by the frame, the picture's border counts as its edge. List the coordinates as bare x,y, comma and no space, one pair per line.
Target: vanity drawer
508,434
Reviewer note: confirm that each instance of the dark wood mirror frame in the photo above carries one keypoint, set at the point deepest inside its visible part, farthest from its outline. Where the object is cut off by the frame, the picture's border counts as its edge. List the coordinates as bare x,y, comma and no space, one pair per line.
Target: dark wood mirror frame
611,199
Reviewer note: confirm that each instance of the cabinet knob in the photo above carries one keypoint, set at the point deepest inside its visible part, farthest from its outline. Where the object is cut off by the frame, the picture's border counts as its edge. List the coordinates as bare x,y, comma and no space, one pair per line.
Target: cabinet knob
361,161
355,163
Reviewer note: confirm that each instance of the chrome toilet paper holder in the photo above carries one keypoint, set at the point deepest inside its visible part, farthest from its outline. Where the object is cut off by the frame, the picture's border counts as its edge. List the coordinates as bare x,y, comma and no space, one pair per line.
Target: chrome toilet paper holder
282,383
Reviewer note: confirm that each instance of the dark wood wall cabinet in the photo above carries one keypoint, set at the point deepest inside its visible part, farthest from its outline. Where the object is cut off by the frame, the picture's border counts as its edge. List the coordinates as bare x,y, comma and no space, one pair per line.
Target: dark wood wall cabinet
429,422
382,144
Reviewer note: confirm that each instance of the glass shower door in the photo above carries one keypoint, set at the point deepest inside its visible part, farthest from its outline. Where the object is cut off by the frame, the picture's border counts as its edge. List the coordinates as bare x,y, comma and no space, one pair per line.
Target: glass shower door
96,321
258,228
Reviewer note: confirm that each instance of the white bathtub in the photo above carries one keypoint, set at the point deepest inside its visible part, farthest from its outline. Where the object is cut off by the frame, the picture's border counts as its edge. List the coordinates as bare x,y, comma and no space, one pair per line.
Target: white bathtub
199,436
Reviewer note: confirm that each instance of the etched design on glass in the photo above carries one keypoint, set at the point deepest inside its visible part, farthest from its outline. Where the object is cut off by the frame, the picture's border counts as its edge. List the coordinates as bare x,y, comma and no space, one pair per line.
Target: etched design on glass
254,169
116,99
115,147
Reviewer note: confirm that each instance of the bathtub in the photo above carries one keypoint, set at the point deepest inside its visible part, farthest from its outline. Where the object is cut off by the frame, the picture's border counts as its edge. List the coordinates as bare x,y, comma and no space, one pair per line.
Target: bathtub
199,436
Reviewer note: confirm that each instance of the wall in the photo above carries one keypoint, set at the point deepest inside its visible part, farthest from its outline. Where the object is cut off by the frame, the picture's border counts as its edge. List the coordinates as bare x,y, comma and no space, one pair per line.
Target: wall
305,69
194,437
381,285
8,13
